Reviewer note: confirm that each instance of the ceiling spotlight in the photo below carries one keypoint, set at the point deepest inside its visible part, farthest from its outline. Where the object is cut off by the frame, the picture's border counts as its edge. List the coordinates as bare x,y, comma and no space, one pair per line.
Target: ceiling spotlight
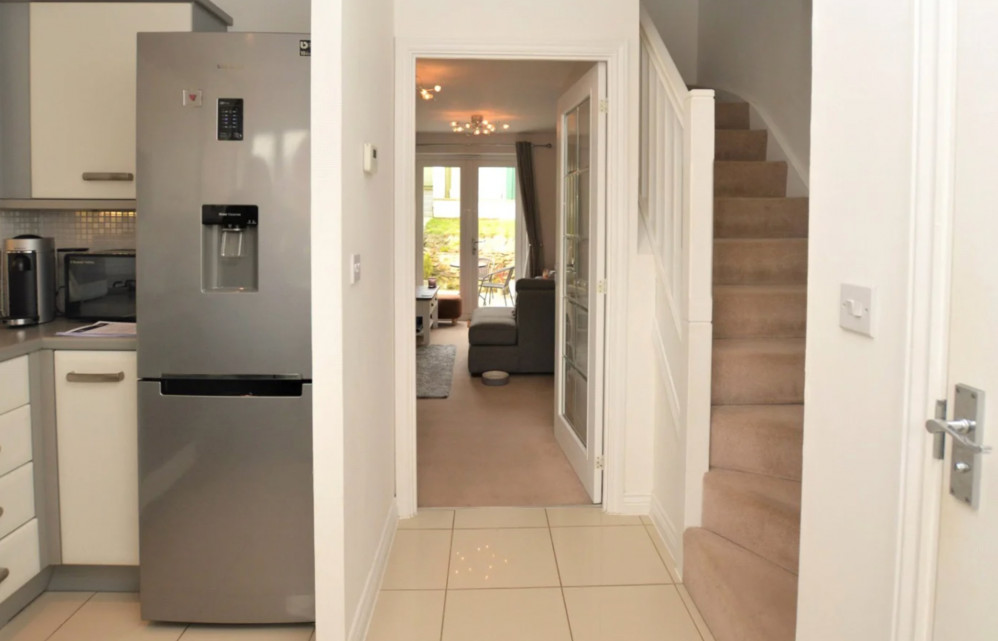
428,94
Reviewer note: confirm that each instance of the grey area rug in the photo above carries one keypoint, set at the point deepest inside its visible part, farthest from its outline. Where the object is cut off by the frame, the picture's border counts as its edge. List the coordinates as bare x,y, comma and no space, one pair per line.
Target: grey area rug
434,370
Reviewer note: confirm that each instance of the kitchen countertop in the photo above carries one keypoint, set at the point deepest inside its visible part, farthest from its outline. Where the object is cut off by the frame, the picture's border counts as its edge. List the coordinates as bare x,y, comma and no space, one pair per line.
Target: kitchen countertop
16,342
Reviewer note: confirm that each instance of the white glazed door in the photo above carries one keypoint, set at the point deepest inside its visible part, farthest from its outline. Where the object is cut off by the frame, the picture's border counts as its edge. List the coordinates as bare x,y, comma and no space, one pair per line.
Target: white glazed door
580,306
967,579
97,441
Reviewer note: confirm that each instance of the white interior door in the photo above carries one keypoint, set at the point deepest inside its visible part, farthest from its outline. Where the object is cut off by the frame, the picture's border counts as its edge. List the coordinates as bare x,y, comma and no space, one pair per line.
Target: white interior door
967,579
580,307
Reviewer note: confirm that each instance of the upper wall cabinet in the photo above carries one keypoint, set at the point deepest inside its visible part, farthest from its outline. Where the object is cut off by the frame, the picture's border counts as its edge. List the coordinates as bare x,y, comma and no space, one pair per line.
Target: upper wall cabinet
81,64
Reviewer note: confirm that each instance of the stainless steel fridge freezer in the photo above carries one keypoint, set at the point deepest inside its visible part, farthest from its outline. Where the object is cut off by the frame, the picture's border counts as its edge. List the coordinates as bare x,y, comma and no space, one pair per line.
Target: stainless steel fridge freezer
224,340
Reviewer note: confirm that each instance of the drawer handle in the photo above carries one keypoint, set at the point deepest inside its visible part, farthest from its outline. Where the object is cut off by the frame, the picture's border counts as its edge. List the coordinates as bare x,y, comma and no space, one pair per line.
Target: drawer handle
4,573
116,176
1,511
75,377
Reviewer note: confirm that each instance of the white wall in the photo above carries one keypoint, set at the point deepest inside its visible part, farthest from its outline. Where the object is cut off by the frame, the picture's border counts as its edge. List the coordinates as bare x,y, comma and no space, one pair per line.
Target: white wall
761,51
676,21
292,16
352,324
860,230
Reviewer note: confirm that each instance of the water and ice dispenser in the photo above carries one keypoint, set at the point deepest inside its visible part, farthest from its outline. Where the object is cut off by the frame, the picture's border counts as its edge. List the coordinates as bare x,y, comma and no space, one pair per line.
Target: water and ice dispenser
229,246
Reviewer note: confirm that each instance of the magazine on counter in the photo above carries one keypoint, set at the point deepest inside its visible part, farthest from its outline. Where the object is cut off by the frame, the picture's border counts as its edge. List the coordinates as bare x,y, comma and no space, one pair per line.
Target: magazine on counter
102,329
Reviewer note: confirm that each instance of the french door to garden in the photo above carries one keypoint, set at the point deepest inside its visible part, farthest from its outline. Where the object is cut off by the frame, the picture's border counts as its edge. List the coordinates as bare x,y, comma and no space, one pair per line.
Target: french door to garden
470,237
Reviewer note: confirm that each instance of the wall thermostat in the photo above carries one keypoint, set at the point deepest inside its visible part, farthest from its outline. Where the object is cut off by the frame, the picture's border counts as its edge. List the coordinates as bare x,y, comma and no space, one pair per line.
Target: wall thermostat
370,158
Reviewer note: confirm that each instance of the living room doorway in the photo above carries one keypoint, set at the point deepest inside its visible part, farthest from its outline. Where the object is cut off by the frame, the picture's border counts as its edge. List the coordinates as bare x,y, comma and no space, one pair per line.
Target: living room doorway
437,176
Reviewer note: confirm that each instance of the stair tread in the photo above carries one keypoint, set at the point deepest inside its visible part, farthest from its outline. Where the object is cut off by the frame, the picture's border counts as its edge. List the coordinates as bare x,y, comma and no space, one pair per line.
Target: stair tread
759,241
764,343
763,439
760,289
741,595
780,492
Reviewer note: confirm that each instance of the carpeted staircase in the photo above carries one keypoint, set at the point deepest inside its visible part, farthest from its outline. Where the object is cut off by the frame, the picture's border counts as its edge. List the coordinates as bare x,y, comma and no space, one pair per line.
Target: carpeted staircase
741,566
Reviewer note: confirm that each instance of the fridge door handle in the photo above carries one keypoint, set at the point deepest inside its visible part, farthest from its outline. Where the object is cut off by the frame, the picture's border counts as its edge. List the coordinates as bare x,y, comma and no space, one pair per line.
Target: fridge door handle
76,377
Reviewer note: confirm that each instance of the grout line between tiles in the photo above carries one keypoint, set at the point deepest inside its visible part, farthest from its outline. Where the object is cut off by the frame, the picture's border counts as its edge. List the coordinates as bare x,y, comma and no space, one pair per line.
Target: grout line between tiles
450,555
561,586
665,562
72,614
693,619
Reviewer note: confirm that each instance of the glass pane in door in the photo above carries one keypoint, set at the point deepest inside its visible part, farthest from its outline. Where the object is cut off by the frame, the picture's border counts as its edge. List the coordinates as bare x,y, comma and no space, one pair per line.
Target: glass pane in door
575,248
496,236
442,227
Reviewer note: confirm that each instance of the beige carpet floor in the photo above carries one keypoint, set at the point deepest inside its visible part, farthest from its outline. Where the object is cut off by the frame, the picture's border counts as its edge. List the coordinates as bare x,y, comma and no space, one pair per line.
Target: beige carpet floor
491,446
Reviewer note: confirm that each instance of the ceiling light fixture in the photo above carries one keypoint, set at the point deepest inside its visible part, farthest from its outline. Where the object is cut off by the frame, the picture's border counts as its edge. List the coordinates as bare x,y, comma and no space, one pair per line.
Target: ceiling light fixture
478,126
428,94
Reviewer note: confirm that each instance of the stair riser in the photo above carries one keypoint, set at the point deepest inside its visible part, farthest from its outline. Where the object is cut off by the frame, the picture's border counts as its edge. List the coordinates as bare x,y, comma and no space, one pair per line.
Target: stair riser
760,218
749,314
760,262
741,597
769,529
731,115
750,179
739,144
771,448
757,377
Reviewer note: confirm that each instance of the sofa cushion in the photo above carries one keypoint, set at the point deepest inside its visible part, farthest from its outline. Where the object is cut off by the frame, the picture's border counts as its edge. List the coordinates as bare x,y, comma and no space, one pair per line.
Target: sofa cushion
492,326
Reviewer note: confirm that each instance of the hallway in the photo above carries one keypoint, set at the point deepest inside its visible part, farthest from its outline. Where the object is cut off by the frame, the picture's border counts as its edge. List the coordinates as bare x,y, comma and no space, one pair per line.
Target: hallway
531,574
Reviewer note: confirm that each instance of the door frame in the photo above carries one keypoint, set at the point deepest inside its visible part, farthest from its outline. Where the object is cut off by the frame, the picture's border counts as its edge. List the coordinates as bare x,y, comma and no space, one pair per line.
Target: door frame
619,207
930,252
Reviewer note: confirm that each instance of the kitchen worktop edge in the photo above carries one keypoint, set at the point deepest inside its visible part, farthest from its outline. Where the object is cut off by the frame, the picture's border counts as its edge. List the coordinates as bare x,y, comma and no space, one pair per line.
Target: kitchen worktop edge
16,342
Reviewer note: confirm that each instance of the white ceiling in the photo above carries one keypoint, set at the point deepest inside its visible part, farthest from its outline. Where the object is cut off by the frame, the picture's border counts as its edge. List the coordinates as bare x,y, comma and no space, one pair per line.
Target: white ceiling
522,93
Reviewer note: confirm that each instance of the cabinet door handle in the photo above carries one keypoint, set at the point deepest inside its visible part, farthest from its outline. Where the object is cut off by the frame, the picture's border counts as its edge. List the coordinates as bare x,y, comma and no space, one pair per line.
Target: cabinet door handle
1,511
75,377
4,573
120,176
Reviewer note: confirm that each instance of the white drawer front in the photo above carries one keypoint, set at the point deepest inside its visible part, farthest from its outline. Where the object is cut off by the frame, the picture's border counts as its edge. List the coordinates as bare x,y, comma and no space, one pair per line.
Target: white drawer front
19,558
15,439
13,384
17,498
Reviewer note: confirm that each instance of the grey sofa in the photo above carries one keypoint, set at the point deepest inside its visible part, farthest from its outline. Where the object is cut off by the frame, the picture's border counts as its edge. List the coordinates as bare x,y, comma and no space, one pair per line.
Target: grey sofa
518,340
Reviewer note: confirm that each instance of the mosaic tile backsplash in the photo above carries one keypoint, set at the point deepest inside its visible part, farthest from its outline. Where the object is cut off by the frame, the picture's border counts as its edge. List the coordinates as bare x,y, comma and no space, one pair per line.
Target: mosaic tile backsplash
96,230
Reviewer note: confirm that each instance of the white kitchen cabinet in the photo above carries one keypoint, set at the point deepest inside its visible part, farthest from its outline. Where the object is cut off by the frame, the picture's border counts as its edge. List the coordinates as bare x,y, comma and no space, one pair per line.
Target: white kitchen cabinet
13,384
82,105
20,559
97,442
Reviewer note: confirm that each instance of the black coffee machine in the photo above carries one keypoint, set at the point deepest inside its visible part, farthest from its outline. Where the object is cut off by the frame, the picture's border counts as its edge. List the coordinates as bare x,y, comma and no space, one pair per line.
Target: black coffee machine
28,271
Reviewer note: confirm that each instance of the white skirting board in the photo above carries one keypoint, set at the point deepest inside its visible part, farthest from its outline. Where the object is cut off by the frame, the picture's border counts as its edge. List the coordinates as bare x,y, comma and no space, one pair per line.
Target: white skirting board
672,535
365,608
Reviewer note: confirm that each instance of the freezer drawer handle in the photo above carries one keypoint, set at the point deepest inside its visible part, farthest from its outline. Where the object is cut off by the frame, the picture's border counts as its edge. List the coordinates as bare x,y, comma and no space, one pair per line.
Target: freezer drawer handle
115,176
4,573
74,377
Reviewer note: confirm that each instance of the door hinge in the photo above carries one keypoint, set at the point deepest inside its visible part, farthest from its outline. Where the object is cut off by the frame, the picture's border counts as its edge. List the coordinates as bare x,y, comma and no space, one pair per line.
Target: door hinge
601,287
604,106
599,462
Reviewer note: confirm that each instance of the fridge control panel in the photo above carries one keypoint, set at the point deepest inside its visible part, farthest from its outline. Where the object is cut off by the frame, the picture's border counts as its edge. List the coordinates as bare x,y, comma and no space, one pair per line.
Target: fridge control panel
230,118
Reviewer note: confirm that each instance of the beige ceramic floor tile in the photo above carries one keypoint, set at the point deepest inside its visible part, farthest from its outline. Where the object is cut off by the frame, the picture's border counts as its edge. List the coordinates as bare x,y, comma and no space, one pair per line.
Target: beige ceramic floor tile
505,615
114,617
500,517
429,520
646,519
247,632
591,556
695,613
585,516
663,552
635,613
513,558
418,560
407,615
39,620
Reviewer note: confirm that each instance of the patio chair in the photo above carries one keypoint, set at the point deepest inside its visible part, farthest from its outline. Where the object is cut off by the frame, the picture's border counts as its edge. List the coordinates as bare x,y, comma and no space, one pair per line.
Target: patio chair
496,281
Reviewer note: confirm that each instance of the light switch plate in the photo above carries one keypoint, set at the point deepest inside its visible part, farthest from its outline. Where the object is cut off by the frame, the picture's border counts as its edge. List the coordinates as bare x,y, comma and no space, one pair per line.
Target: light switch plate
856,309
354,268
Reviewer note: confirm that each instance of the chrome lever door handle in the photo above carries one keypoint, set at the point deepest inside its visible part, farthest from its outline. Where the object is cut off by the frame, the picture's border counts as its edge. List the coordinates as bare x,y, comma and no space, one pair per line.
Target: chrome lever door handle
958,429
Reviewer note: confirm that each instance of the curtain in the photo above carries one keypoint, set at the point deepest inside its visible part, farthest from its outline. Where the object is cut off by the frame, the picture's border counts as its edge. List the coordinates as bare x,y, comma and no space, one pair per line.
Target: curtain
528,194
